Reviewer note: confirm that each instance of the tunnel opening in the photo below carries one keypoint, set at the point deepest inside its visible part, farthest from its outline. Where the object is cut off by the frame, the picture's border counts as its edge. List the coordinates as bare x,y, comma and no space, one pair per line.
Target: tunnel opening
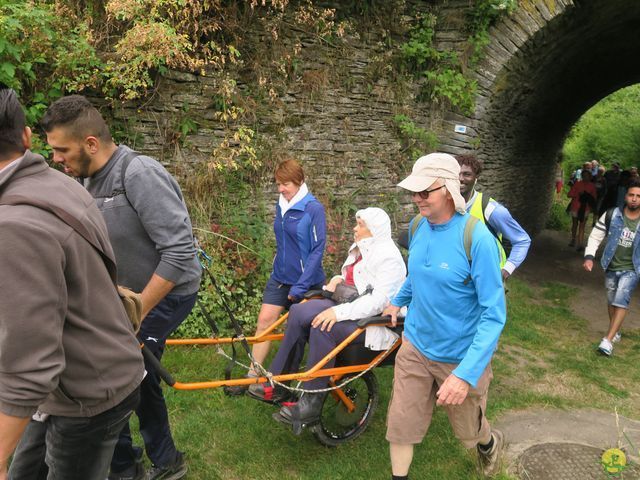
571,63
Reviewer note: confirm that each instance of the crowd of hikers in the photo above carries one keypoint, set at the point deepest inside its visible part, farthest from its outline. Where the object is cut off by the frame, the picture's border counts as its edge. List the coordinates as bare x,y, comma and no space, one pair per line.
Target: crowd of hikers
593,190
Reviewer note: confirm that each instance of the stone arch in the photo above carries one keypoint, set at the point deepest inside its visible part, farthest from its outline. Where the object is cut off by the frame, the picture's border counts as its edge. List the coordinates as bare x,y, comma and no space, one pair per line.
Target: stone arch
545,66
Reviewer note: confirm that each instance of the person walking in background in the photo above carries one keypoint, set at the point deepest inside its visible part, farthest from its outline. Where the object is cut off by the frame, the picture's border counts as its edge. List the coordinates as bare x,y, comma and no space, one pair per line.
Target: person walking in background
67,347
601,192
583,201
456,313
612,177
497,218
152,238
620,260
559,179
300,230
621,191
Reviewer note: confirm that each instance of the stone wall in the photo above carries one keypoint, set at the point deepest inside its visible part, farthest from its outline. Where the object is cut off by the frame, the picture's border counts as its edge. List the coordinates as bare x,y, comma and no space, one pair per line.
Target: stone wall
542,69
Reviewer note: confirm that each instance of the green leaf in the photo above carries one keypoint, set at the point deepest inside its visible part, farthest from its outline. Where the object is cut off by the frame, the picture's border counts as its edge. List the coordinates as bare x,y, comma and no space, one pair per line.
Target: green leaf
7,70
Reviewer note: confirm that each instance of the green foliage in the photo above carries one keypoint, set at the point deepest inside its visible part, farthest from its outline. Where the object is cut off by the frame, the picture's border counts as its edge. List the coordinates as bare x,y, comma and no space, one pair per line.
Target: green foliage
441,70
608,132
419,53
451,84
43,53
234,228
416,140
487,12
558,217
444,71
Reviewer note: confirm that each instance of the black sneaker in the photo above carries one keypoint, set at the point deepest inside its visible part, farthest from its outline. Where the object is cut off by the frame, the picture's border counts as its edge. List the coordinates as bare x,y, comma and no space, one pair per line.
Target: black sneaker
176,470
134,472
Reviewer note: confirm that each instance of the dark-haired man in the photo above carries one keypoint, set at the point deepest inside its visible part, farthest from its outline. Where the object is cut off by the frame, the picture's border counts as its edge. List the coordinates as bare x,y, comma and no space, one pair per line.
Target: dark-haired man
494,215
620,260
67,347
152,239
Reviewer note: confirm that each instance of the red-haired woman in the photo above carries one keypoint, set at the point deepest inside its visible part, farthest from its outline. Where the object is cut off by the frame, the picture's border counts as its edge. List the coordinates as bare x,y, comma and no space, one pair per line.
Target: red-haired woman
300,230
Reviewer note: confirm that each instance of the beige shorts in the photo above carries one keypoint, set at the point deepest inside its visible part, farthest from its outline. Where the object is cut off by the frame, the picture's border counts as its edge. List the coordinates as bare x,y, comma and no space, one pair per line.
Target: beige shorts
415,383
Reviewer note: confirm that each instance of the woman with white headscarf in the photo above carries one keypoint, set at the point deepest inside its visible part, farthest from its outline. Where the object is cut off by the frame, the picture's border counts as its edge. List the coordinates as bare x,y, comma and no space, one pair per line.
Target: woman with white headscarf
375,269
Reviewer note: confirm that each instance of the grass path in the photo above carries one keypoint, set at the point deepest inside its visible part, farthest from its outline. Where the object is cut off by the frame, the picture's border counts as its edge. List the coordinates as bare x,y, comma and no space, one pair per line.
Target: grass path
546,357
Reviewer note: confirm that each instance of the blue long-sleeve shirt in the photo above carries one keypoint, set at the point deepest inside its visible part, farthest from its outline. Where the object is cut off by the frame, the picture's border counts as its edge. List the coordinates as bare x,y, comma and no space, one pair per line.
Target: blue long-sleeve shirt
504,224
450,321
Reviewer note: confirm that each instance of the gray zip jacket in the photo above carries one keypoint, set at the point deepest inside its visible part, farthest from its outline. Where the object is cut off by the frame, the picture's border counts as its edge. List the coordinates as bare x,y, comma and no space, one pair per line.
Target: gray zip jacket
148,223
66,344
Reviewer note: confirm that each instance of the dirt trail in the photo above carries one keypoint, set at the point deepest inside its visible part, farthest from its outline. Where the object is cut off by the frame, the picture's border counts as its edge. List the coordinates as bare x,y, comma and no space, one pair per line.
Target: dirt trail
550,259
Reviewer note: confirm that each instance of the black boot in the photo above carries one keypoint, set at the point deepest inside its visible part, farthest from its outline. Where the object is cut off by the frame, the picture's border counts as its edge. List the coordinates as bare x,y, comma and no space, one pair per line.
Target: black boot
305,412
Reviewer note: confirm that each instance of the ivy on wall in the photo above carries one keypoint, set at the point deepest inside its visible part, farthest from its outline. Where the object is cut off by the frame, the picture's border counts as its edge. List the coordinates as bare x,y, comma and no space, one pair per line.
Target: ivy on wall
115,49
445,73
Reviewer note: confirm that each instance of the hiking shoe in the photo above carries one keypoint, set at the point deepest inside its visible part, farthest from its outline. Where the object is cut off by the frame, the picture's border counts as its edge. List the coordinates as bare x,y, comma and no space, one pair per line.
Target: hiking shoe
605,347
238,390
617,337
267,393
176,470
134,472
235,390
491,462
579,248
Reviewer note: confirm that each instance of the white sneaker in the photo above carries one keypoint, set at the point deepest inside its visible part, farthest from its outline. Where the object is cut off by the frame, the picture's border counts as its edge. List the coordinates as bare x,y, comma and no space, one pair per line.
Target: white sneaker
617,338
605,347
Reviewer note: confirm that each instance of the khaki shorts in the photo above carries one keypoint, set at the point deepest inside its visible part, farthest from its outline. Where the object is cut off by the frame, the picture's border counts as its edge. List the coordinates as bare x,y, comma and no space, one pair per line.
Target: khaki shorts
415,383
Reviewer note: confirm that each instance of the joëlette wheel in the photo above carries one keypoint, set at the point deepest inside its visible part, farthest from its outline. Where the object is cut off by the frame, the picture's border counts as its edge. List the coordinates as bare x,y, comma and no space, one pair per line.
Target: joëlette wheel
337,425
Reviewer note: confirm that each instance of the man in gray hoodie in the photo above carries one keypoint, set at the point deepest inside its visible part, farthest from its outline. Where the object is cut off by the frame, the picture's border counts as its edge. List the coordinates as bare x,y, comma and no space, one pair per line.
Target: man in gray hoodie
152,239
67,347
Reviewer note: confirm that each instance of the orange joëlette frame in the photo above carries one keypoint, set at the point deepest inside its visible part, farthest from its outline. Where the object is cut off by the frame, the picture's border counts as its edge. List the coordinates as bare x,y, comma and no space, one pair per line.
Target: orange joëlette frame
316,371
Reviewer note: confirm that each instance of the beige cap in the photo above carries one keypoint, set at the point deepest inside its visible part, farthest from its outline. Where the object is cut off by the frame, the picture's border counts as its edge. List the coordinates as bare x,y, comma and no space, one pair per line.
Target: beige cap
432,167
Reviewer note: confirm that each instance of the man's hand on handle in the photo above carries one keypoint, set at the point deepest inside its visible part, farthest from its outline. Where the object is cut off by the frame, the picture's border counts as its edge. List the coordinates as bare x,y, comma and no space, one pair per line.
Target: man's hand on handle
392,311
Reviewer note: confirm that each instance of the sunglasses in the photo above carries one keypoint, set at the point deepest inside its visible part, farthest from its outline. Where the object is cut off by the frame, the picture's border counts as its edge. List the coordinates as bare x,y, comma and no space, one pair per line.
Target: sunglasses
425,193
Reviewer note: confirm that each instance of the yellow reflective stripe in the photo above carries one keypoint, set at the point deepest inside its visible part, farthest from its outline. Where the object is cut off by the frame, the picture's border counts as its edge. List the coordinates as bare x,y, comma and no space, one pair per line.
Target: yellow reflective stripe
476,211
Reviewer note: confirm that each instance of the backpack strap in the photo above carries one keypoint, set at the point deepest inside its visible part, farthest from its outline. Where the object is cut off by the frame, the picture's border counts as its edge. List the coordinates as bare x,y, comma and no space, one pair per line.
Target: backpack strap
608,216
467,239
126,160
485,203
414,226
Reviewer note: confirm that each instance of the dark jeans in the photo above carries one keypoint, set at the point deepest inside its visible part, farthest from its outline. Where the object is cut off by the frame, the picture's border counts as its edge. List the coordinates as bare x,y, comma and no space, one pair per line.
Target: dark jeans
299,332
29,458
152,410
71,448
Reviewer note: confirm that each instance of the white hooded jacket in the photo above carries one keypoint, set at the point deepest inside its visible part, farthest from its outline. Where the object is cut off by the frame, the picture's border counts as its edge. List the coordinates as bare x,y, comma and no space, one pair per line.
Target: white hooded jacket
382,267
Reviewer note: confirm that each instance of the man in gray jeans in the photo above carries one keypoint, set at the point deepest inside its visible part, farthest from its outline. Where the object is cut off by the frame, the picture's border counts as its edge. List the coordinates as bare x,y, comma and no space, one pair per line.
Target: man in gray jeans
152,238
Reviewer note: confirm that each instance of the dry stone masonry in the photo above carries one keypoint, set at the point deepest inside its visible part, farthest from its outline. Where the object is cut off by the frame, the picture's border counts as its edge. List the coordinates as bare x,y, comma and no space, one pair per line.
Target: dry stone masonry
545,65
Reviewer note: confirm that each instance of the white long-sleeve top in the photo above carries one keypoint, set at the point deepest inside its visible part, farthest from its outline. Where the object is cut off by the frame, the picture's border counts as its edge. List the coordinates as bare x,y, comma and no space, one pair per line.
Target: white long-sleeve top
382,268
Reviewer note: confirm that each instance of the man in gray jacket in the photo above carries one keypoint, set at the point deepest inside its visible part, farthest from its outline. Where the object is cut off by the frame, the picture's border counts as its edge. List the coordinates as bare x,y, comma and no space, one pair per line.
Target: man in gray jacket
67,347
152,239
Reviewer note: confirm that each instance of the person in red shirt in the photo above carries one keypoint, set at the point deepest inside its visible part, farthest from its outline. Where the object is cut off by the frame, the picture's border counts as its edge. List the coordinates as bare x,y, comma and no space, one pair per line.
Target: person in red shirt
583,201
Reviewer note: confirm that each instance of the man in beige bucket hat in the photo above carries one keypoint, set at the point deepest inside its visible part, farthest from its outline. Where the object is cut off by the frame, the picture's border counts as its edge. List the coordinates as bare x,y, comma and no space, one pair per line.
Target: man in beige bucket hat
455,317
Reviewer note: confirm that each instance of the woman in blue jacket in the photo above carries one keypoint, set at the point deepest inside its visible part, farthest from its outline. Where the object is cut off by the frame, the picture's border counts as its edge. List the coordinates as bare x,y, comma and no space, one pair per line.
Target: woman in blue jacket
300,230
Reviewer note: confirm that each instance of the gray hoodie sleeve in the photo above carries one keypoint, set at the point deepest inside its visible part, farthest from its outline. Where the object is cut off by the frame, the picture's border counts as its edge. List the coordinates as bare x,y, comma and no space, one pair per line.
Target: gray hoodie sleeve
157,199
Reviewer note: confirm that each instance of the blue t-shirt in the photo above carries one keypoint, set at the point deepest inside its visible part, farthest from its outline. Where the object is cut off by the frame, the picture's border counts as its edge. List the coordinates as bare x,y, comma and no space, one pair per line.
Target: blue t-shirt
453,318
